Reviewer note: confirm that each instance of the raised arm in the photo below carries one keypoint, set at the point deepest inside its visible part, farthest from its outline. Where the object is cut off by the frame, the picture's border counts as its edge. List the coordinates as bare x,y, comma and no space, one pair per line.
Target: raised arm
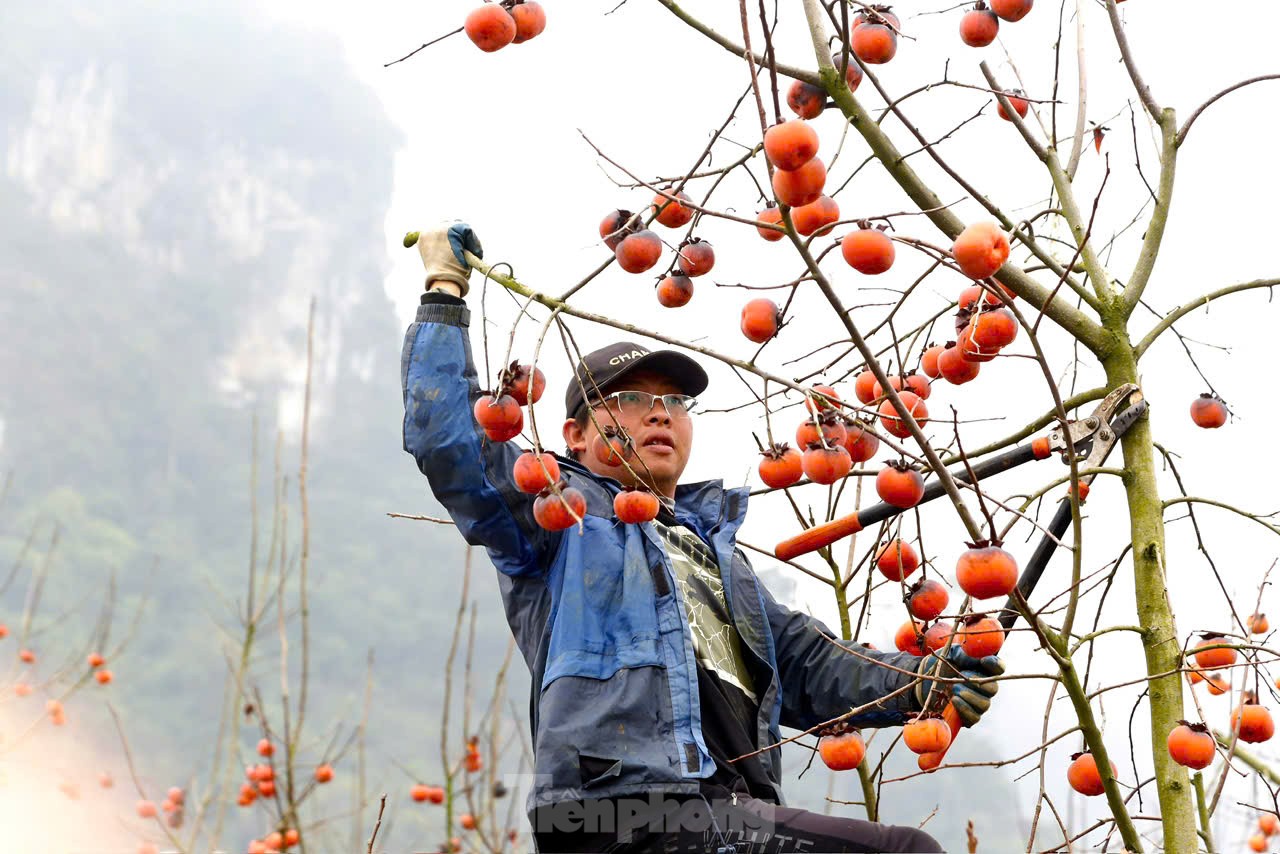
468,474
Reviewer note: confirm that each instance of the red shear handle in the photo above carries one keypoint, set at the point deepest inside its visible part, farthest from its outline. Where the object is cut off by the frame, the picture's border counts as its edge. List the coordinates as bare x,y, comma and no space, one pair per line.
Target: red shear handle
929,761
818,536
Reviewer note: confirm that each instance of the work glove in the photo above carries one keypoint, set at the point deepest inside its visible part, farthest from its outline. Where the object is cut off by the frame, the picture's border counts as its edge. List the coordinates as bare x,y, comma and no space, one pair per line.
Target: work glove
971,699
442,249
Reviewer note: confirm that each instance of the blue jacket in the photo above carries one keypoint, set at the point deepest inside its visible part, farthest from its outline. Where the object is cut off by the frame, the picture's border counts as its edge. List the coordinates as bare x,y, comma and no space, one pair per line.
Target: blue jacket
598,616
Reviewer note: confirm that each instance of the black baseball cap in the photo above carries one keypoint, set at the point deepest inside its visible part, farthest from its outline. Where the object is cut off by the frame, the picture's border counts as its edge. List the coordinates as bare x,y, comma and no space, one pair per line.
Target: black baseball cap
609,364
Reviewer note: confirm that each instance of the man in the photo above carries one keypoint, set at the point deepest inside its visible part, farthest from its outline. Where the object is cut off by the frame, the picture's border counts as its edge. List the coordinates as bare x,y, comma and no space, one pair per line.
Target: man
662,669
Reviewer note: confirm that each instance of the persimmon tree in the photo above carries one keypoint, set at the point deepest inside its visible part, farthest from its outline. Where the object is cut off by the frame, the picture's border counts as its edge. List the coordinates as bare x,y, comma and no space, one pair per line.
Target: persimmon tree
1079,299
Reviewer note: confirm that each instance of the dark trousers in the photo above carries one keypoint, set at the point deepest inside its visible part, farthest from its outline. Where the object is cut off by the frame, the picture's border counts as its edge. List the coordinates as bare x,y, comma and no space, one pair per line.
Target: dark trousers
658,825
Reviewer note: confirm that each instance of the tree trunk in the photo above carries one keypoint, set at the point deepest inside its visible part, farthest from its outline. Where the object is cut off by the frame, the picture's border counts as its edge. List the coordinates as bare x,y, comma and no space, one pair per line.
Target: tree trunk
1155,615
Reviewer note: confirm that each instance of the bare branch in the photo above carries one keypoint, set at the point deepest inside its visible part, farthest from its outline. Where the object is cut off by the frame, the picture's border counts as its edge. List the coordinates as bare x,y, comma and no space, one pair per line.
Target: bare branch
1188,307
1182,134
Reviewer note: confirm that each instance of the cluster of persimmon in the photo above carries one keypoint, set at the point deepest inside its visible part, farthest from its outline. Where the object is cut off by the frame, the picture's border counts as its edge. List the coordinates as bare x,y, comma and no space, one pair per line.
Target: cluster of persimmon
493,26
833,441
57,714
981,24
1268,825
260,781
101,674
422,793
638,249
472,761
557,506
172,806
985,571
275,842
1191,744
498,413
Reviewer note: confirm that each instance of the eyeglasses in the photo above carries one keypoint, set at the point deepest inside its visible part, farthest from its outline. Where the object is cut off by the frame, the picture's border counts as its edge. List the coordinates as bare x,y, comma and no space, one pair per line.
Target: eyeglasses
637,404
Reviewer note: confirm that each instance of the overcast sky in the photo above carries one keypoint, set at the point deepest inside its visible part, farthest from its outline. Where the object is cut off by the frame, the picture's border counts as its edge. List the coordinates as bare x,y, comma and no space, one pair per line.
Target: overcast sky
494,139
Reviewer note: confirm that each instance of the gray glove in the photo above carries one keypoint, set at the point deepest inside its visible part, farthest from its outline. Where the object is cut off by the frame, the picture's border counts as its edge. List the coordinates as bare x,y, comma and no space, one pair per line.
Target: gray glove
971,699
442,254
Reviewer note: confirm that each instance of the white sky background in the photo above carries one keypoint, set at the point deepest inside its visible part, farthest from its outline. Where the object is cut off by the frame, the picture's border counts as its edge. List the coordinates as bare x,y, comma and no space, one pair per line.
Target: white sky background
493,139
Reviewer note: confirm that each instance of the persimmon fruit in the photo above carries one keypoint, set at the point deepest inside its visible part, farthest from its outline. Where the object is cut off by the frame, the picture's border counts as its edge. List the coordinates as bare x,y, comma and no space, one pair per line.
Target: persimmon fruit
791,144
615,226
500,418
874,43
893,423
816,402
864,386
868,250
675,214
801,186
1191,745
1020,106
696,258
897,560
529,474
781,466
1083,775
816,217
927,735
490,27
994,329
1208,411
770,216
826,465
1252,722
954,367
530,18
909,638
635,506
760,318
829,428
1011,10
675,290
979,26
638,252
986,571
900,485
929,361
842,752
938,636
551,513
927,599
1214,659
981,249
525,383
860,442
980,635
806,100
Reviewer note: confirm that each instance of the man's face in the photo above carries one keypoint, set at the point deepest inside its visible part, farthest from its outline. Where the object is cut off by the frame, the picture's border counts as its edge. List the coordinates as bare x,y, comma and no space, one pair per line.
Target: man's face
662,441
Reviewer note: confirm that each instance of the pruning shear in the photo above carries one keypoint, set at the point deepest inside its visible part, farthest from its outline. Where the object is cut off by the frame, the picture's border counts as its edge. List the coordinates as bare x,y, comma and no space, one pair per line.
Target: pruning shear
1089,440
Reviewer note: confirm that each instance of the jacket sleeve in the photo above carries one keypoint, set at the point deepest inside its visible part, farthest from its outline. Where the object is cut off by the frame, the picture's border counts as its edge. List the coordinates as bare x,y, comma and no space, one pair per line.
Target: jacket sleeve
469,475
821,681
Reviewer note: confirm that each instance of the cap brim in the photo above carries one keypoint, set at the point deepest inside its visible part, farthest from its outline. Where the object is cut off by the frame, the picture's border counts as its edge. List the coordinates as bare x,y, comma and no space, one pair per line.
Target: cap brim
686,373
